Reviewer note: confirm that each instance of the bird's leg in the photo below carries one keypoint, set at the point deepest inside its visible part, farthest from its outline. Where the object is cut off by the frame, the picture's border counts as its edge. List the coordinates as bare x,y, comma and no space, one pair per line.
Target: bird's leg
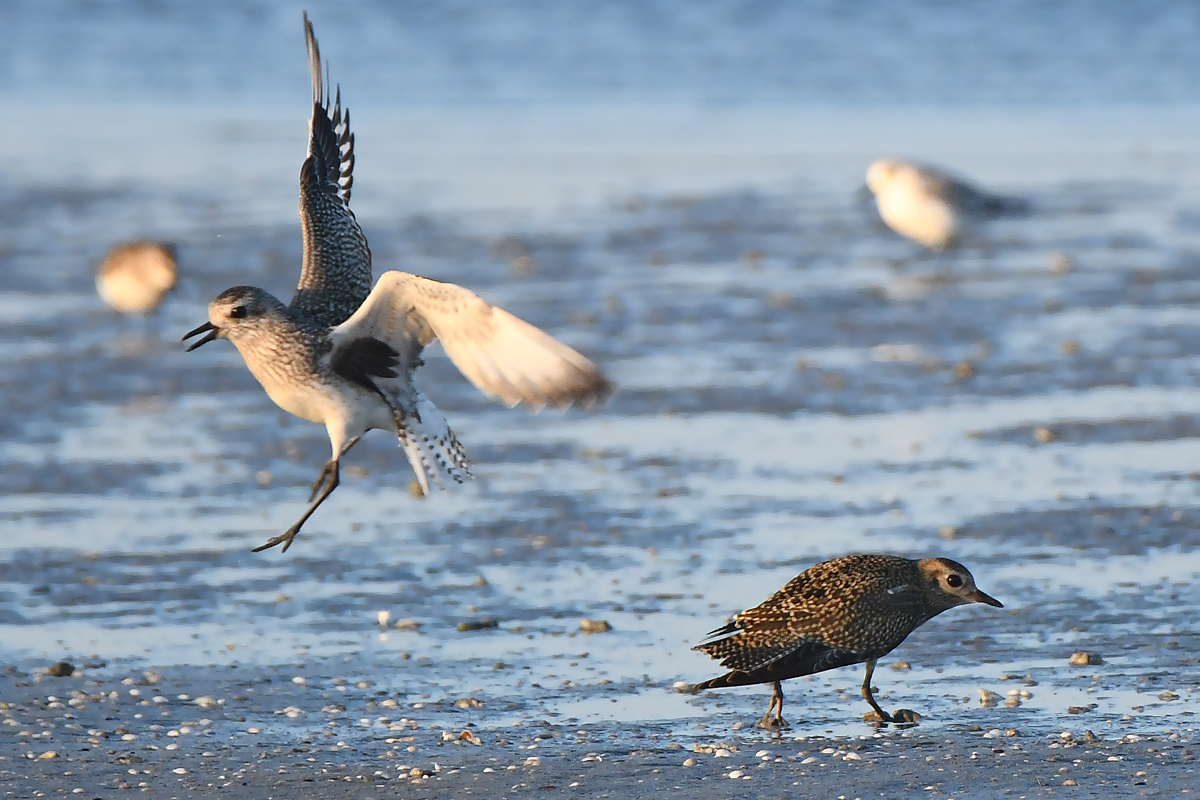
327,469
286,538
902,716
880,715
771,722
319,483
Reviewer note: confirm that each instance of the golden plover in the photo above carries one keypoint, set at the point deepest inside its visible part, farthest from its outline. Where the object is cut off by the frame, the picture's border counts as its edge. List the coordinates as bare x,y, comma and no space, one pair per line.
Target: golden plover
837,613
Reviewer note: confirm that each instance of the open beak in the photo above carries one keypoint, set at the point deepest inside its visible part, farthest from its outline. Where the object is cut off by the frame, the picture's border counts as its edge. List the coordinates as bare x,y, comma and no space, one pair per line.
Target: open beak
979,597
213,332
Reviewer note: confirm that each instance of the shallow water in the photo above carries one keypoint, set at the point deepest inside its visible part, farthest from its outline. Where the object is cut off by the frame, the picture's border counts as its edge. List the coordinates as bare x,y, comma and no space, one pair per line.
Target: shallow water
774,411
796,383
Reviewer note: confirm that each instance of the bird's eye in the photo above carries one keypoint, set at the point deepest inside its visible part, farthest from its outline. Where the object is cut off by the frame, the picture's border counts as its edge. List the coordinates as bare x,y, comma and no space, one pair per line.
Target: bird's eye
237,312
954,580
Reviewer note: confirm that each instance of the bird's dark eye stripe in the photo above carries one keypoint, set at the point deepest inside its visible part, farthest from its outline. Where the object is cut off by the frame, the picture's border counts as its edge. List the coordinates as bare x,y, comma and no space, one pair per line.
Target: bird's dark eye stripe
954,581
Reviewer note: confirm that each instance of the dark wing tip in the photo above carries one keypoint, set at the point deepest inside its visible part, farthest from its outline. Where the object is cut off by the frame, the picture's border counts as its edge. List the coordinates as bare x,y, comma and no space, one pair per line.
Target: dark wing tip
314,60
584,390
719,682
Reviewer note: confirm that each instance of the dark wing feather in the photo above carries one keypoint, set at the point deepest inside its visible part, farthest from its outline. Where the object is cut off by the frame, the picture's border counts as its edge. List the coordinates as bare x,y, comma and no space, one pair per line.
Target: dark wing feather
336,275
806,659
363,359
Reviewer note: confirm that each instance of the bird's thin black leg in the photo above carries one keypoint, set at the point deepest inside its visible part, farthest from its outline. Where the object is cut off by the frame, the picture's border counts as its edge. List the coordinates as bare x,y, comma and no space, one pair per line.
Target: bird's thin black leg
286,538
870,698
776,721
320,481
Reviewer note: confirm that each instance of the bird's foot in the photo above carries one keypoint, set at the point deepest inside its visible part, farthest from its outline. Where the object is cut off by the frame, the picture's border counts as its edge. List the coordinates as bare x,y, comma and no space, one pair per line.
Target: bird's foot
905,716
284,539
873,716
771,723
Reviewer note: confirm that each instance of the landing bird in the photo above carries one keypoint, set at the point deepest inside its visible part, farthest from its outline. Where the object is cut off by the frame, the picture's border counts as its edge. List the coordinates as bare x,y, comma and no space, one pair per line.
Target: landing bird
930,206
134,277
343,354
837,613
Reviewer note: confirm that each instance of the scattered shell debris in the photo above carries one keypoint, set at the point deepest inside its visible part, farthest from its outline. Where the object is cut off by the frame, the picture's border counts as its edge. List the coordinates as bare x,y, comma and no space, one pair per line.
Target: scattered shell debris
1083,658
594,626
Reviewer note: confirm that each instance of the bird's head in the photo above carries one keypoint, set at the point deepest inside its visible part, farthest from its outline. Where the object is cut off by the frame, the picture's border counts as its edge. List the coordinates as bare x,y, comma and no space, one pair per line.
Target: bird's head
881,173
950,584
236,313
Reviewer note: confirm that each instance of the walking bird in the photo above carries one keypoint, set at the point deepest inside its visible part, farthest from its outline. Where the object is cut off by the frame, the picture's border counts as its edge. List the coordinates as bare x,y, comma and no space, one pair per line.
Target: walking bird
837,613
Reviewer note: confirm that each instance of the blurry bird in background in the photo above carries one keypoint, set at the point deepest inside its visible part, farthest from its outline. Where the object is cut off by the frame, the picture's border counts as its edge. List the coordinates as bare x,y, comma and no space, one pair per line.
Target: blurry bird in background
931,206
134,277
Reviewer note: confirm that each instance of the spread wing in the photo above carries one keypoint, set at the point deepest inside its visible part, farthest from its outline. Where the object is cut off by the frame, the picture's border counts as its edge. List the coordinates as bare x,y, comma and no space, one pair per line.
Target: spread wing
505,357
336,275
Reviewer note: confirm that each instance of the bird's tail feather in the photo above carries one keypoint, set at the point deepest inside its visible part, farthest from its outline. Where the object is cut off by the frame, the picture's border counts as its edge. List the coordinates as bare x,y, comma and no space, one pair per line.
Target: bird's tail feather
431,447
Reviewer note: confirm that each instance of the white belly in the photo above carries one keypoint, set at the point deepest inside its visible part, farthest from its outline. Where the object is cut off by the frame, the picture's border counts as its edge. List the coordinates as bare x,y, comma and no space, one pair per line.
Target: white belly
928,220
313,403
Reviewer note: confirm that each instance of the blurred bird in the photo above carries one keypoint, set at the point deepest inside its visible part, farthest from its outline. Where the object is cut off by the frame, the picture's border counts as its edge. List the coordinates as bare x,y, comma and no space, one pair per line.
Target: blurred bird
134,277
929,206
840,612
343,354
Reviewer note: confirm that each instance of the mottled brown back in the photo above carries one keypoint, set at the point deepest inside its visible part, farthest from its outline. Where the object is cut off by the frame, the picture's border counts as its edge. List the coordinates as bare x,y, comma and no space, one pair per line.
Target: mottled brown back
861,606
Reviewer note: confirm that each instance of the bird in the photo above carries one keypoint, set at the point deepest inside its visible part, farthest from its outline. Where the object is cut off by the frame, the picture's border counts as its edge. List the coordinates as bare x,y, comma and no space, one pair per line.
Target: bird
837,613
931,206
134,277
342,354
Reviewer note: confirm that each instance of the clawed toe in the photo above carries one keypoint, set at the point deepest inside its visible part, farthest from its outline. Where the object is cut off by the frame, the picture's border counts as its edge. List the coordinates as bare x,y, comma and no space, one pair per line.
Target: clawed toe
285,540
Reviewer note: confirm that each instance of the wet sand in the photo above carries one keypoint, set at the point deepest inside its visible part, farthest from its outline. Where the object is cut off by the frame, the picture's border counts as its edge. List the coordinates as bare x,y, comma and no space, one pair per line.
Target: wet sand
107,737
796,383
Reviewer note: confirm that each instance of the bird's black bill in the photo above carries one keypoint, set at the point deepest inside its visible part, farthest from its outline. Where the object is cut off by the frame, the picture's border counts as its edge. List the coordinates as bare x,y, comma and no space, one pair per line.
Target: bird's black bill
212,334
979,597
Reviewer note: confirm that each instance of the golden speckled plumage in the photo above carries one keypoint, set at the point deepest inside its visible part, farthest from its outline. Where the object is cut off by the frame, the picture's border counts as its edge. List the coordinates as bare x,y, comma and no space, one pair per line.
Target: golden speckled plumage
837,613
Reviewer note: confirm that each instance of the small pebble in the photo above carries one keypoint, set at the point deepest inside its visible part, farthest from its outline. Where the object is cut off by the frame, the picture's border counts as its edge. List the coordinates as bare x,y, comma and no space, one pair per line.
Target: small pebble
1060,263
691,762
594,626
61,669
1083,658
737,773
